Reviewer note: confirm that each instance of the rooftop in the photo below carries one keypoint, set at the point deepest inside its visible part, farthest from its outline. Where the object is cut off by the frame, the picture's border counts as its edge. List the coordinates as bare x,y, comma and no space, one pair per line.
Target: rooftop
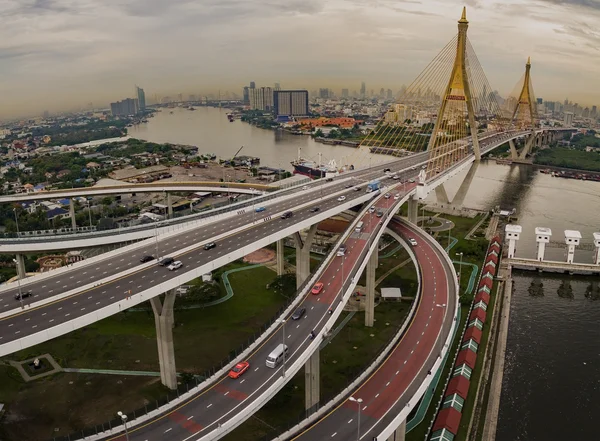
572,234
543,230
514,228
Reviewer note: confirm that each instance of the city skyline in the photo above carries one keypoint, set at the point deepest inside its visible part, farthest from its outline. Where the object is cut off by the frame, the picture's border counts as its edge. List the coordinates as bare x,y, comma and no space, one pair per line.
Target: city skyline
70,54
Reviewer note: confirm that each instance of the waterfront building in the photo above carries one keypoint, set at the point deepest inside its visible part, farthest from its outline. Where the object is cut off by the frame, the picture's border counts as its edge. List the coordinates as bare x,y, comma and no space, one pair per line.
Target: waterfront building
128,106
260,98
141,98
568,119
290,103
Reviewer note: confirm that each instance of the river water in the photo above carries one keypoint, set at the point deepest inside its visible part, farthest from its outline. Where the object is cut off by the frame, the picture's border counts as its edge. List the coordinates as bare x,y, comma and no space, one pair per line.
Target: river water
551,387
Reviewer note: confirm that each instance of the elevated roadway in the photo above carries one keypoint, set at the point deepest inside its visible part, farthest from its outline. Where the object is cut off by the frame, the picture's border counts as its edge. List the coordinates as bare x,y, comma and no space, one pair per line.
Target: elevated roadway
389,393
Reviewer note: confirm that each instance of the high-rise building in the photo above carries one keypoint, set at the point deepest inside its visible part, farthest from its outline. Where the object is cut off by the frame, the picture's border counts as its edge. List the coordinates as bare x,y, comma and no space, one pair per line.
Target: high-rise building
381,93
277,86
363,89
128,106
252,85
390,95
290,102
344,93
540,100
246,95
568,119
141,98
594,112
324,93
260,98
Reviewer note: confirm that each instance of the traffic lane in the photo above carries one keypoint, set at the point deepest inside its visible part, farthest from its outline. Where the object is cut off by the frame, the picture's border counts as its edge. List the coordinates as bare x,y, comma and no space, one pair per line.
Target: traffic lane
43,289
106,268
110,267
49,315
228,394
379,392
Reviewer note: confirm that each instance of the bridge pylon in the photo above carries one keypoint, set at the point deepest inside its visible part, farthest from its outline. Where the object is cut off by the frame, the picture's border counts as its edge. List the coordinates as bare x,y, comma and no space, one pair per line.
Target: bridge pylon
523,112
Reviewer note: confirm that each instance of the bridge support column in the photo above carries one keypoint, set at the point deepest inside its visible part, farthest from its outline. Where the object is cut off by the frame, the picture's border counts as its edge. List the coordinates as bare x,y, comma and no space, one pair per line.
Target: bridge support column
399,434
528,145
20,264
513,233
572,239
164,321
513,150
169,206
303,255
441,195
280,258
72,213
597,245
370,298
413,210
312,383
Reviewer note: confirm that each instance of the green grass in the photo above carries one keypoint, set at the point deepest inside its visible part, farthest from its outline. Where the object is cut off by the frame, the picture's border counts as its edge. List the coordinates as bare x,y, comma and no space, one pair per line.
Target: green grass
349,353
126,341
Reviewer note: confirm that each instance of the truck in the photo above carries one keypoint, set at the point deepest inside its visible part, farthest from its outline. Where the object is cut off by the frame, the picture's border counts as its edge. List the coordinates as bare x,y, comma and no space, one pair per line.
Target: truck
373,186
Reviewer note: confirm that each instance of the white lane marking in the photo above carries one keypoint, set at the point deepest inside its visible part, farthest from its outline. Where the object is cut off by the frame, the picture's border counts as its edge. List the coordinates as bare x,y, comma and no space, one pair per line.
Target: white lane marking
387,384
51,321
350,421
226,393
112,297
376,395
190,417
169,429
334,434
12,324
255,369
34,326
209,405
242,381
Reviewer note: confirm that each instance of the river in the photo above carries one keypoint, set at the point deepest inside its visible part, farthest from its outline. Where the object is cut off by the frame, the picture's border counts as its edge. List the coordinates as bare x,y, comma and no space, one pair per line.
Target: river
551,387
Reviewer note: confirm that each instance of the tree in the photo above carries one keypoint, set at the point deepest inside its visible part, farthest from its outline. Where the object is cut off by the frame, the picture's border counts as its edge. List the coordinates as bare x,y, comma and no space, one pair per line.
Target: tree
319,133
284,284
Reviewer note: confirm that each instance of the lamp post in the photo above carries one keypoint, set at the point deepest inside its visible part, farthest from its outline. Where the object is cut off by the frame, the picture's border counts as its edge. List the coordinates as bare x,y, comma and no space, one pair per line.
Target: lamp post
282,321
156,238
16,220
19,283
460,266
358,401
89,211
124,419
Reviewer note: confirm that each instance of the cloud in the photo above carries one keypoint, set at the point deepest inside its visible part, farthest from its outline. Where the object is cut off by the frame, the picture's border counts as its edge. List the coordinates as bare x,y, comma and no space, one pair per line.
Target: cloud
66,53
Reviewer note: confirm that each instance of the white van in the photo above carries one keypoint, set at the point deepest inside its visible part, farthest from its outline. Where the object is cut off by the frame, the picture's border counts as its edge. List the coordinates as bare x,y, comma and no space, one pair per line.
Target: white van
276,356
359,227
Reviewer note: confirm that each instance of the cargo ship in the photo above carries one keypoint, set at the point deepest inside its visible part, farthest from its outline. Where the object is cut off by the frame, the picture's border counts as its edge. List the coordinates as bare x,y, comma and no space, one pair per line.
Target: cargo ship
314,170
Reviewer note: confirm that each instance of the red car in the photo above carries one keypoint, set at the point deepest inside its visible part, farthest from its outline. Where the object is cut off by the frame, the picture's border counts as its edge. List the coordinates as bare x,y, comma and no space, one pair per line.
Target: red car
317,288
239,369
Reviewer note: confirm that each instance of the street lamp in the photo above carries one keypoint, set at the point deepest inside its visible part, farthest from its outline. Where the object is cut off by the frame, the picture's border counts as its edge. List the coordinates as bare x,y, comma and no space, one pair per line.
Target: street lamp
124,419
282,321
19,283
16,220
460,266
359,402
156,237
89,211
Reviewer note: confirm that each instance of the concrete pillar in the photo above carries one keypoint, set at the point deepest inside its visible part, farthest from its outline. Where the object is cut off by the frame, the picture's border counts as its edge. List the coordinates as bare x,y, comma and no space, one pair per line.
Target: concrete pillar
528,145
513,150
542,237
169,206
513,232
164,321
413,210
597,244
441,195
572,239
312,380
303,255
280,258
72,213
370,298
459,197
20,264
399,434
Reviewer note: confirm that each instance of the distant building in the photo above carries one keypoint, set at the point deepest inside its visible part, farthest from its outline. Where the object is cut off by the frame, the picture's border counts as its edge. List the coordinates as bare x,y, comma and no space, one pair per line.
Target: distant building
290,102
344,93
252,85
277,86
260,98
568,119
324,93
246,95
141,97
363,89
126,107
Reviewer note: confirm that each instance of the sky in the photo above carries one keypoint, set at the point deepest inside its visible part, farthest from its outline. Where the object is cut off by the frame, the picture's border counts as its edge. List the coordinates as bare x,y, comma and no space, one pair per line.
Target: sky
62,54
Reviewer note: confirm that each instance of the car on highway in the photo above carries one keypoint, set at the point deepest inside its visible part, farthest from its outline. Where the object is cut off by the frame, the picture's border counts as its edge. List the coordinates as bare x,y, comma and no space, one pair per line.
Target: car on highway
315,209
379,213
239,369
385,170
259,209
411,181
305,188
298,313
166,261
356,188
287,215
396,196
23,295
210,245
175,265
348,186
371,209
396,177
147,258
387,196
317,288
412,242
329,180
341,198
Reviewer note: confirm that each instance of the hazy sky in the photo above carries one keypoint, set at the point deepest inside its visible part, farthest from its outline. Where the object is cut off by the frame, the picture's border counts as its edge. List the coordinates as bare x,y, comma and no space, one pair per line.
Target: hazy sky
60,53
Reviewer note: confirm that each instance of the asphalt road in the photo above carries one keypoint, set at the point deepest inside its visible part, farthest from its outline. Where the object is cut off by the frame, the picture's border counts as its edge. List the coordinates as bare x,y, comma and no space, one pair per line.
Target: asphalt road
36,319
227,397
385,393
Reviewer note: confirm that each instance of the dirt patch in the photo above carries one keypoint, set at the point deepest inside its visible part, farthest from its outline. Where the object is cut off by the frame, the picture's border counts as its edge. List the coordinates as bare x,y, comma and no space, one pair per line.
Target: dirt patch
263,255
333,225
